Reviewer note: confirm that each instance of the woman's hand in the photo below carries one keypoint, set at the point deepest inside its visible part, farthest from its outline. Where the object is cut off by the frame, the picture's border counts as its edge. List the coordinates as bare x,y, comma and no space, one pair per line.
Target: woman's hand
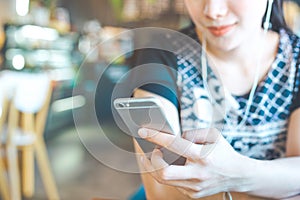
212,165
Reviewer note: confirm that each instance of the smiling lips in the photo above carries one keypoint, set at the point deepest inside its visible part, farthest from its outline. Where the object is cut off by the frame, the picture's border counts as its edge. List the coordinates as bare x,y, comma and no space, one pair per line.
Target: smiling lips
220,30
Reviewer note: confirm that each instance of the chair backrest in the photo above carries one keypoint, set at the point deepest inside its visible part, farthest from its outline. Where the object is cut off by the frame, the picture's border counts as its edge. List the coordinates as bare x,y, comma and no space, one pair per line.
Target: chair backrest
30,95
28,90
9,80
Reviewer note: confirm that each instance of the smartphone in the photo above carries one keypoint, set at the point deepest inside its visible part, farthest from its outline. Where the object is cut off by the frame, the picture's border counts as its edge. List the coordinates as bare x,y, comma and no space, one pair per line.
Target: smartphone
145,112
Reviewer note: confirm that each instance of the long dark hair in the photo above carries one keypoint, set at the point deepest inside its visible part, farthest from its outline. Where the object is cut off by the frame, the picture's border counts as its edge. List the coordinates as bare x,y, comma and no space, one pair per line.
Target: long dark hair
277,16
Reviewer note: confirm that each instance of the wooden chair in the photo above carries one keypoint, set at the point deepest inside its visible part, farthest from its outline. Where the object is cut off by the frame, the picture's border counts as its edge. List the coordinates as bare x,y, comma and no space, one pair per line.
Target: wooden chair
4,190
26,122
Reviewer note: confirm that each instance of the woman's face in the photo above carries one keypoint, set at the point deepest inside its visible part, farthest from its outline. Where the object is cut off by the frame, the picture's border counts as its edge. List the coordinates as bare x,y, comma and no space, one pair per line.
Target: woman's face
226,24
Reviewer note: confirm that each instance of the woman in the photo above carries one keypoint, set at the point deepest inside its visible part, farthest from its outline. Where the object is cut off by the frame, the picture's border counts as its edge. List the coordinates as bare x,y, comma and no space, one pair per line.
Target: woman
253,151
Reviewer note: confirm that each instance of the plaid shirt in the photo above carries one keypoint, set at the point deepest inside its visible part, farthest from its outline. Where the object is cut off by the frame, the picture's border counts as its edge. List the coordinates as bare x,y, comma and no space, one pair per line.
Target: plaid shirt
263,135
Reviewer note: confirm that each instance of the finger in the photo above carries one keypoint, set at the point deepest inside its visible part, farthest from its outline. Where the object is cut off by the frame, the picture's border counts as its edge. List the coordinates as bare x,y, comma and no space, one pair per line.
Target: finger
183,191
199,189
202,136
187,192
146,164
175,144
206,188
148,168
157,160
187,172
183,176
204,193
174,174
159,165
185,185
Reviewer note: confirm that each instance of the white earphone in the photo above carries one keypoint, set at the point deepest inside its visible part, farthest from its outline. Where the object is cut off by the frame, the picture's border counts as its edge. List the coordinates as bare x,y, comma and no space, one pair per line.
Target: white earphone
267,23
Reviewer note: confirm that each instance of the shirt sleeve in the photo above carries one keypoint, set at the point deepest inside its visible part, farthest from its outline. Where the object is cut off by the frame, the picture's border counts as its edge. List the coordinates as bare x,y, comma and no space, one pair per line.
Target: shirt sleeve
155,70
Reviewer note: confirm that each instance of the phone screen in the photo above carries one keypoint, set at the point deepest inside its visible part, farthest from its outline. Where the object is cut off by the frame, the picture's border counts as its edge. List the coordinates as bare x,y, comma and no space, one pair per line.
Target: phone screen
145,112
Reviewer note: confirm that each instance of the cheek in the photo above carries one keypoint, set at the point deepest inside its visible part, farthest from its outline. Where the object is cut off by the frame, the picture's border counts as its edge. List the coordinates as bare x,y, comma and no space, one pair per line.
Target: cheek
242,6
249,12
195,10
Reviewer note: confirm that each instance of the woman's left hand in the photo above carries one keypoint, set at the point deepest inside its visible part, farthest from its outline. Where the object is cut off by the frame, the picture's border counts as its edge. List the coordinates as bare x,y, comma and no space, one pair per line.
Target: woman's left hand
212,165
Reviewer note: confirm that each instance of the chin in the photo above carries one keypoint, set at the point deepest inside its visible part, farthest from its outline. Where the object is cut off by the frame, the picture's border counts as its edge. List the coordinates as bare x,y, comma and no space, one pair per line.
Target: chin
225,43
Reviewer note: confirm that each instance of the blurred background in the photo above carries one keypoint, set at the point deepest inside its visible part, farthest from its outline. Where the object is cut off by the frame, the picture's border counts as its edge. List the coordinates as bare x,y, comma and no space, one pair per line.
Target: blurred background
61,38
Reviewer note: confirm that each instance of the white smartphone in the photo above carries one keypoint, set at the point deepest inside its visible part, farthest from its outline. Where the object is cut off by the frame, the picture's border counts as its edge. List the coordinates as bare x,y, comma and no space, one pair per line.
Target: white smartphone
145,112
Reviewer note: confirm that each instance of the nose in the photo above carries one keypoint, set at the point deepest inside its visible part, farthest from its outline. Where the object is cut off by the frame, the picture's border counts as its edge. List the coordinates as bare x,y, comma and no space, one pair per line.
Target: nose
215,9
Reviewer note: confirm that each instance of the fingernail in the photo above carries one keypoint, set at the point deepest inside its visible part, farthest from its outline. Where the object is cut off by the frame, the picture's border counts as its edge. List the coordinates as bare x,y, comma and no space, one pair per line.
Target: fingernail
142,133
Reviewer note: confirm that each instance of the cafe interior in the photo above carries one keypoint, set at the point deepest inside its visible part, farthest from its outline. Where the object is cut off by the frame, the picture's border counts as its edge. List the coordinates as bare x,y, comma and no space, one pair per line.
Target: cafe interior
59,64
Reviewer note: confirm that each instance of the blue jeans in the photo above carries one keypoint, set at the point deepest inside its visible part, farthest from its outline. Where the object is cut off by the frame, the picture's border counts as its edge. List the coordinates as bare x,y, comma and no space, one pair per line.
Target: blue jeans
139,194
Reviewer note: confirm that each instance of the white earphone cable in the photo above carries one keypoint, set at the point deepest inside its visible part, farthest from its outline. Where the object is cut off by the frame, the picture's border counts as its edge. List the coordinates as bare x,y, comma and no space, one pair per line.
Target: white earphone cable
266,25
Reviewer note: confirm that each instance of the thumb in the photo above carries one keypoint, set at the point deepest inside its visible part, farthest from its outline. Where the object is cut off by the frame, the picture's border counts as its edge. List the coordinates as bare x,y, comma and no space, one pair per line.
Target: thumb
202,136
